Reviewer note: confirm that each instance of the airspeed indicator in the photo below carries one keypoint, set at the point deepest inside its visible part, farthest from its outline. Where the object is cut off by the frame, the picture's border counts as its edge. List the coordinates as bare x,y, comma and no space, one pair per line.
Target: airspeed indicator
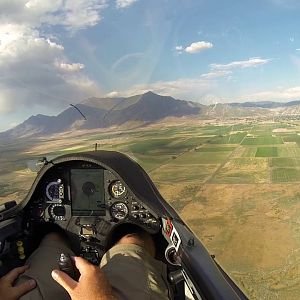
119,211
117,189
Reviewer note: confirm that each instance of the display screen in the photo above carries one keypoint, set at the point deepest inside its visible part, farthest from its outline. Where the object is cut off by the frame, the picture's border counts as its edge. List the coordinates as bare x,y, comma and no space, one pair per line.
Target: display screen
87,191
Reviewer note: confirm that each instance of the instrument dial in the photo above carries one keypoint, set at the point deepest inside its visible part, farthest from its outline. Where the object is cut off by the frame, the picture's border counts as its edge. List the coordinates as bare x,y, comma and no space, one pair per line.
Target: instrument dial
117,189
57,212
55,190
119,211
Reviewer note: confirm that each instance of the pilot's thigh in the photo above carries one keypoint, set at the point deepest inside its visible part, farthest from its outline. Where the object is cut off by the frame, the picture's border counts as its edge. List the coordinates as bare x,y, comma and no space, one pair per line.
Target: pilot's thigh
134,274
42,261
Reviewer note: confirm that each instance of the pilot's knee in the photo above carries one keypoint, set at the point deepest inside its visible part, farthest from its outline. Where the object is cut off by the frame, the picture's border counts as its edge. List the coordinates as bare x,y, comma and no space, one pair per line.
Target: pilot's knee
143,239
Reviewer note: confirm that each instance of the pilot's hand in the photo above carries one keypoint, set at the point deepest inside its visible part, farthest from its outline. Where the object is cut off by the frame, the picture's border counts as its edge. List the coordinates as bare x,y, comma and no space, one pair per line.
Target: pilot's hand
10,292
92,283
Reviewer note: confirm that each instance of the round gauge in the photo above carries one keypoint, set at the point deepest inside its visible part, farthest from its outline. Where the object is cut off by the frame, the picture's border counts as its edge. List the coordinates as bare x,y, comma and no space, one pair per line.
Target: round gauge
117,189
89,188
57,212
119,210
53,191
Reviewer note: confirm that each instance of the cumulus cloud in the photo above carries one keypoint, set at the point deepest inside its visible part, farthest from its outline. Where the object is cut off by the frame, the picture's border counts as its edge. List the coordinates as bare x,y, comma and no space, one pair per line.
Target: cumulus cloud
31,74
124,3
195,47
198,46
34,68
250,63
71,14
73,67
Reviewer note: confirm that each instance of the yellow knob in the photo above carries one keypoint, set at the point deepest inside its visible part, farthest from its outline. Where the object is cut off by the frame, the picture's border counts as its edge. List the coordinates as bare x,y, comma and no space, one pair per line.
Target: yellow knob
22,256
19,243
21,250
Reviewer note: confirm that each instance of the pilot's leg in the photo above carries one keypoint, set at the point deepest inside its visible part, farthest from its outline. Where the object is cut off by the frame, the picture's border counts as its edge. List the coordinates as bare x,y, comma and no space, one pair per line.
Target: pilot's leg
132,270
42,261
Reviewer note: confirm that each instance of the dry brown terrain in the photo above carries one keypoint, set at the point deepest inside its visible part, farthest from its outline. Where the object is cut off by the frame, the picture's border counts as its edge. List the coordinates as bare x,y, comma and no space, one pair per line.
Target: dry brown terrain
236,185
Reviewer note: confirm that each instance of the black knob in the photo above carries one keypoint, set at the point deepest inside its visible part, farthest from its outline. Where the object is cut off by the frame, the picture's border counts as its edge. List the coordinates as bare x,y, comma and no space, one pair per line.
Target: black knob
66,265
176,276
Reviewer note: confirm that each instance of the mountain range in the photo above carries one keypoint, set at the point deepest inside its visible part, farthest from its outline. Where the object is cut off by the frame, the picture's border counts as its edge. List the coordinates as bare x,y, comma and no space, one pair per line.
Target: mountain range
141,109
105,112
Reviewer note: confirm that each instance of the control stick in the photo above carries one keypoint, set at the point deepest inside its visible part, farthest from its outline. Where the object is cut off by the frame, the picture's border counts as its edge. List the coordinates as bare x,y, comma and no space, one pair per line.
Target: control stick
66,264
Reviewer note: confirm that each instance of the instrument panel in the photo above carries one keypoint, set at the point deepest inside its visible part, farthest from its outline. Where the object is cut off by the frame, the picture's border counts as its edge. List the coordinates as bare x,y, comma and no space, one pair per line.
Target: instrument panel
88,195
84,191
88,202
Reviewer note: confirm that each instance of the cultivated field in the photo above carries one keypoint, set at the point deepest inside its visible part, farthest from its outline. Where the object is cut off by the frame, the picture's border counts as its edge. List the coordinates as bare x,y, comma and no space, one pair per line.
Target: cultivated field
237,185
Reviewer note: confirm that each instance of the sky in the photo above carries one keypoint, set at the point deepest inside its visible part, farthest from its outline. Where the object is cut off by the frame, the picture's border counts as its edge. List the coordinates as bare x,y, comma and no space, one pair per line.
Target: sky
57,52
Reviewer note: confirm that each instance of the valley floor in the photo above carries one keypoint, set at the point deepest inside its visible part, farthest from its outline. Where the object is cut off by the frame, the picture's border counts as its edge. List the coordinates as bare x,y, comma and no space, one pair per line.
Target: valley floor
235,183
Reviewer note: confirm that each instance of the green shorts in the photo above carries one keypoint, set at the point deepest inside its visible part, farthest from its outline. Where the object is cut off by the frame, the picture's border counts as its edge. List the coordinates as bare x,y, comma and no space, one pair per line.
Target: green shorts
41,263
132,272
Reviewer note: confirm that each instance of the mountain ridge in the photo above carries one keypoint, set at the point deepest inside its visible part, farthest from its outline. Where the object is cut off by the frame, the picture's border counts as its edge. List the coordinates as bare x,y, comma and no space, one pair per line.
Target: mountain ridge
104,113
141,109
266,104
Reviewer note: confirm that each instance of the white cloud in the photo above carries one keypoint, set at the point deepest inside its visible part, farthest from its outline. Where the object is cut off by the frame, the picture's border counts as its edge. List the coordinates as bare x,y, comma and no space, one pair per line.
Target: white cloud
31,75
179,49
81,13
54,45
74,67
71,14
226,70
124,3
198,46
250,63
113,94
195,47
278,94
216,74
204,88
34,69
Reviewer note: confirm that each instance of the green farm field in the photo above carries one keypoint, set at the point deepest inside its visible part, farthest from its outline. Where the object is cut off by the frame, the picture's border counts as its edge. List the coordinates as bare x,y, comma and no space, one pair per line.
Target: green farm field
236,184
